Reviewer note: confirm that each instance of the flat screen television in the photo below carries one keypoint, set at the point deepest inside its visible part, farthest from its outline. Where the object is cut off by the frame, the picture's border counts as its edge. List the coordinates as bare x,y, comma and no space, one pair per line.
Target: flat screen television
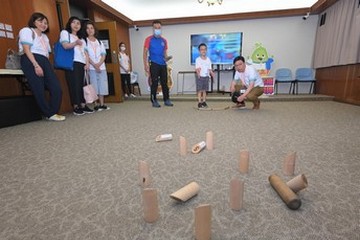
222,48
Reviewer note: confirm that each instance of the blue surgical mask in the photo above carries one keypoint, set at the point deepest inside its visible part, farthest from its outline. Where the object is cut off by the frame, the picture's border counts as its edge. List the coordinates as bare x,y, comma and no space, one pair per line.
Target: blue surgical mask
157,32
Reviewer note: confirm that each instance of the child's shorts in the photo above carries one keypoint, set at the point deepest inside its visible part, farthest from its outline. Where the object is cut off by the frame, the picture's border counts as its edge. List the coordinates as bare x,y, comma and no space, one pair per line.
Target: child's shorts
202,84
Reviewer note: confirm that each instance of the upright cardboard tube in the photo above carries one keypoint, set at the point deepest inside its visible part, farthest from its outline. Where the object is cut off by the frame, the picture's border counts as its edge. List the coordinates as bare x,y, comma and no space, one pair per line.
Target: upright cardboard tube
203,222
144,174
150,203
236,194
183,146
286,194
298,183
209,140
186,192
198,147
289,164
244,161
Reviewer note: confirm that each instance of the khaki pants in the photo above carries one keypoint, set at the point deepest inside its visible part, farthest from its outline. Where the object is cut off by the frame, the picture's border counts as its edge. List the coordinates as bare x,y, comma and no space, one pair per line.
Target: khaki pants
253,95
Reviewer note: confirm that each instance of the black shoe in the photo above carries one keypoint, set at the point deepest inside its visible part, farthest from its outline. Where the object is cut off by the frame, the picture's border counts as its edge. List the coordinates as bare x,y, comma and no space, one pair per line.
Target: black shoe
168,103
78,111
200,105
98,108
204,105
86,109
104,107
155,104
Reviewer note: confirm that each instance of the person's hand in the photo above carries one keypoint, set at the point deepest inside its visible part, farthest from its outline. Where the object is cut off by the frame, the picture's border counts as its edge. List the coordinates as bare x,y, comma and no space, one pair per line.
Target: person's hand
147,70
241,98
39,71
87,67
78,42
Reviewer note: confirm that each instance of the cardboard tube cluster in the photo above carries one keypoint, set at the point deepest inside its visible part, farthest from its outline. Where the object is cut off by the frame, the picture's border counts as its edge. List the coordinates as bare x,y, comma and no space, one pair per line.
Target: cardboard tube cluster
186,192
291,200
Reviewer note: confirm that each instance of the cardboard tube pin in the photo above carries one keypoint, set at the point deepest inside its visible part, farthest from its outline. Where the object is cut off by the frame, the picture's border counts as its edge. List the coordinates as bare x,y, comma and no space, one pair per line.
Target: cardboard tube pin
186,192
203,222
289,164
209,140
298,183
198,147
183,146
286,194
244,161
236,194
144,174
150,203
164,137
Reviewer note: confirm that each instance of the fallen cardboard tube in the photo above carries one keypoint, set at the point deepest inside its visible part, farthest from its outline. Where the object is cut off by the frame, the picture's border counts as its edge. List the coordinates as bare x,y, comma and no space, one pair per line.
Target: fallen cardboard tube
198,147
203,222
164,137
144,174
186,192
150,203
244,161
236,194
298,183
209,140
183,146
286,194
289,164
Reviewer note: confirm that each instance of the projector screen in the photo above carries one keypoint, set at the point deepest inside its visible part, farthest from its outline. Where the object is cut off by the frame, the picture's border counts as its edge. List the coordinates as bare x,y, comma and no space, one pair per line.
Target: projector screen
222,47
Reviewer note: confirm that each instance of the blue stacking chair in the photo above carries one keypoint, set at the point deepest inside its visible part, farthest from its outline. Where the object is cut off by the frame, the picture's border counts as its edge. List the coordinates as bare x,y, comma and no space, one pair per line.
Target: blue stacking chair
284,75
305,75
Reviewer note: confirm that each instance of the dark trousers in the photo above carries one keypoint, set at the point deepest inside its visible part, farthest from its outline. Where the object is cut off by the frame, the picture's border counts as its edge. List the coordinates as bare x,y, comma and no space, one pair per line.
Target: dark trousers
38,84
125,83
75,81
158,71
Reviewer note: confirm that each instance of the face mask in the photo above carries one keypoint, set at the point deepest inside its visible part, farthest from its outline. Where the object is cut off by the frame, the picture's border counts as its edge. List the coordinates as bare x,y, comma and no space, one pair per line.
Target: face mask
122,48
157,32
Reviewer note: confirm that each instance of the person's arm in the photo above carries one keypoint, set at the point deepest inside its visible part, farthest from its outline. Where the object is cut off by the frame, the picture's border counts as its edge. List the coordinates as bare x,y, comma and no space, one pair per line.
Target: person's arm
65,41
146,62
38,70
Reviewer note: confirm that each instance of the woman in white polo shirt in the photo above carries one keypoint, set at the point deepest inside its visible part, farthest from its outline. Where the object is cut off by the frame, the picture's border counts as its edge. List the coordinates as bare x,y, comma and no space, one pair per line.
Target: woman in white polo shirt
71,37
37,69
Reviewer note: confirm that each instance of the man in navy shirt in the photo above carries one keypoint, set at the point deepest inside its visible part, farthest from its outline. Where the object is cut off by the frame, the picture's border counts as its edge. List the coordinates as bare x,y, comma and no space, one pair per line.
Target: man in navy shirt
155,56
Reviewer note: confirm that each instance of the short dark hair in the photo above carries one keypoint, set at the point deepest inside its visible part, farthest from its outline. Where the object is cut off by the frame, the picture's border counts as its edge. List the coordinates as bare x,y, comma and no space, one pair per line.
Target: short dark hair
37,16
68,25
156,22
121,44
202,45
241,58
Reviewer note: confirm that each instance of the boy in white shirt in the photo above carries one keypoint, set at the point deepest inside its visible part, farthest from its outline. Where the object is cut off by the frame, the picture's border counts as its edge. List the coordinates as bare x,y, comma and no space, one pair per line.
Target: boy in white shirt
203,73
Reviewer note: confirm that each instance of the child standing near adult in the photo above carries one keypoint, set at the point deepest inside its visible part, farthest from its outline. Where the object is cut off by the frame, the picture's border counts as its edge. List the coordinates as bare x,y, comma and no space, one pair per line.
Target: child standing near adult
125,69
70,38
203,73
35,64
97,69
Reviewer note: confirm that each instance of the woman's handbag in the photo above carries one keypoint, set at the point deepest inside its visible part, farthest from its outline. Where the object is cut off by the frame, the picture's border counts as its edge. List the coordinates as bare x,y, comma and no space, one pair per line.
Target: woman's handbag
12,60
89,90
63,58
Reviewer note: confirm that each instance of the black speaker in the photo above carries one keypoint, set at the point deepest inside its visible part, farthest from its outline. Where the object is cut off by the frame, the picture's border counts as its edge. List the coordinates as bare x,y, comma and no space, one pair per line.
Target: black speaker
17,110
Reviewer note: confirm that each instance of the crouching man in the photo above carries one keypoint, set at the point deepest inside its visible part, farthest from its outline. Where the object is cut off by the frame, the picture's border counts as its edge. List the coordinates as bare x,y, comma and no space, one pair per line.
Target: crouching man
247,84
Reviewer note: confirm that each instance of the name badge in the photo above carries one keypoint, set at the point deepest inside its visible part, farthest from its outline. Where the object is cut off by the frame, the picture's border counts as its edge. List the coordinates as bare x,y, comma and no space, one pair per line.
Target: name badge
242,90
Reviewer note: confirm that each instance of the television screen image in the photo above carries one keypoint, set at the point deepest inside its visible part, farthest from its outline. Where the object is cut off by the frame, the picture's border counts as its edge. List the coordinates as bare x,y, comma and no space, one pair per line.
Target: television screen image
222,48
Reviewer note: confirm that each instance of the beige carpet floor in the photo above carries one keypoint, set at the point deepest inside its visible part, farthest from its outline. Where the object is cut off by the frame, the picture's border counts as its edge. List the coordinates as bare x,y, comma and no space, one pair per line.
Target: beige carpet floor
78,179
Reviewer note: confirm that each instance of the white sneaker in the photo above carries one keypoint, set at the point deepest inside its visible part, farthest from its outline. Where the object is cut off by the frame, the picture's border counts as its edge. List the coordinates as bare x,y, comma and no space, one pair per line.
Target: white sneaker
126,96
56,117
133,95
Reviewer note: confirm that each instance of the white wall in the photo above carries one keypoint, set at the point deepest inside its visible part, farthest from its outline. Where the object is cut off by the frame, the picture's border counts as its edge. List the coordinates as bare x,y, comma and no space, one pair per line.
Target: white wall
289,39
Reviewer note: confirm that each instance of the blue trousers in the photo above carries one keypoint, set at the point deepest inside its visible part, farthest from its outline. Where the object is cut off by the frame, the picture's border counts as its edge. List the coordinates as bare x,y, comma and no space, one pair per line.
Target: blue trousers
38,85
